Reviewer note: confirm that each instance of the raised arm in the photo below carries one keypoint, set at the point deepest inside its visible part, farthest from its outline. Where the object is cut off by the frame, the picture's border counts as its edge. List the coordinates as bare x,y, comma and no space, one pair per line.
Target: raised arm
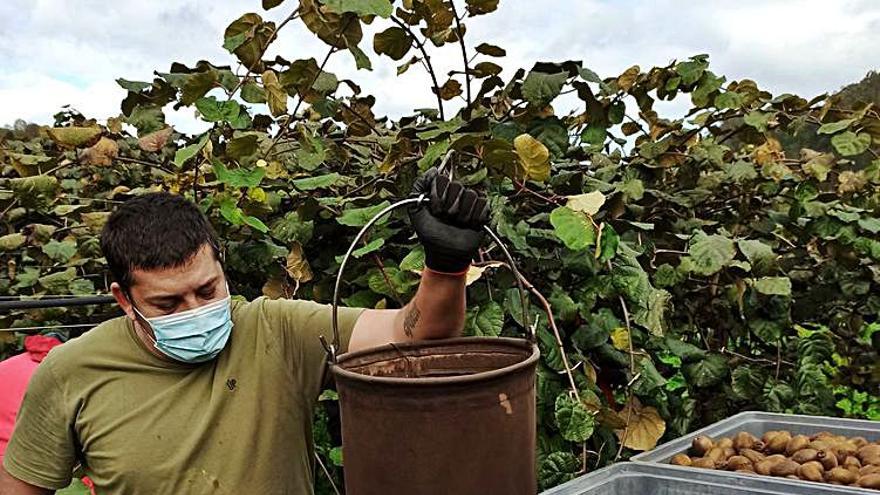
450,229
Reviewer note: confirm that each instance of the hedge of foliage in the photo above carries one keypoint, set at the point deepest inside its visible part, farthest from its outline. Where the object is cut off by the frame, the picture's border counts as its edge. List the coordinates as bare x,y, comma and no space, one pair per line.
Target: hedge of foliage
696,266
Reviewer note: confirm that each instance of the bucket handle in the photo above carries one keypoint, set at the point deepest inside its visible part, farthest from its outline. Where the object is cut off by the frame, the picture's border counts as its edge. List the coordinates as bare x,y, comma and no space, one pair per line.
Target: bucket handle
333,350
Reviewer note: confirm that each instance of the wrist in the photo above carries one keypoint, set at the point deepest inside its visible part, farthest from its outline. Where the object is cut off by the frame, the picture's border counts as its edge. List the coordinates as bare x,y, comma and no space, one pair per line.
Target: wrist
447,263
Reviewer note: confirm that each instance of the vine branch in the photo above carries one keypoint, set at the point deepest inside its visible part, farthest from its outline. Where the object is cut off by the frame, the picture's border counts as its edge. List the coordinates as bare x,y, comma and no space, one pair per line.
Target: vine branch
426,59
464,57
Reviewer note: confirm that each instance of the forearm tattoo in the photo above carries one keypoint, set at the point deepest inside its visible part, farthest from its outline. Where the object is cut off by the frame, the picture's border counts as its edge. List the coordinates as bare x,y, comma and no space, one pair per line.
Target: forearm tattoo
411,320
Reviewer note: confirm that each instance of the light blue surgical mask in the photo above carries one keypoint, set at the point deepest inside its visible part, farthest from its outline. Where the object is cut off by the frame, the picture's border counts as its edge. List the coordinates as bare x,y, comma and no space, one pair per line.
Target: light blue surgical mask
193,336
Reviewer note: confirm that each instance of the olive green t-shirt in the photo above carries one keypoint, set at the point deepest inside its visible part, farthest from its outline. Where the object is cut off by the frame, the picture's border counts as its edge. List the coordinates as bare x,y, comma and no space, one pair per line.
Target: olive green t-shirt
241,423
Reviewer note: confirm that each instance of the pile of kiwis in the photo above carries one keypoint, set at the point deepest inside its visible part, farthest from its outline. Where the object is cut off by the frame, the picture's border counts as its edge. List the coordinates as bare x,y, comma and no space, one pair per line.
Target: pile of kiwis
823,457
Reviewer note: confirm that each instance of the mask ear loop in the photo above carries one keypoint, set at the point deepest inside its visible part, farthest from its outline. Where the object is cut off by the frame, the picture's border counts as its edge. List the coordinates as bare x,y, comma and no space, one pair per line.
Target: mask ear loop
142,317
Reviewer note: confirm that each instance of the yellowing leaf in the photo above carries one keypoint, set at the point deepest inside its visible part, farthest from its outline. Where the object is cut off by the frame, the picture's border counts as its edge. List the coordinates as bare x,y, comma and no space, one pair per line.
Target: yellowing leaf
274,288
276,96
297,266
588,203
620,339
95,220
101,153
475,272
850,181
644,426
626,80
74,137
534,156
155,141
769,152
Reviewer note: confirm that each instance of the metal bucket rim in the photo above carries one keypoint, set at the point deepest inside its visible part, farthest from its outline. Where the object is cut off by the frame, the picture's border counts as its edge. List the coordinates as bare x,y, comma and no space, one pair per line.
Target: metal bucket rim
523,344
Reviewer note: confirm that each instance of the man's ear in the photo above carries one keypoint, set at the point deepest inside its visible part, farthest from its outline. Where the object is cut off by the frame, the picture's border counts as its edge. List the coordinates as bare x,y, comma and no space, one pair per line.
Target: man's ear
122,300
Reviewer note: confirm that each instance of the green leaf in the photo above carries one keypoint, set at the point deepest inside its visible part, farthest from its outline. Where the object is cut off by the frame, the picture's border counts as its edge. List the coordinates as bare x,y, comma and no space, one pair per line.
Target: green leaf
311,154
239,177
433,153
608,244
196,85
133,86
707,372
850,143
557,468
213,110
490,50
588,203
687,352
691,70
870,224
58,281
778,286
487,320
74,137
394,42
335,456
362,61
60,251
381,8
318,182
414,261
710,253
834,127
594,134
758,119
574,421
9,242
480,7
251,92
146,119
760,255
747,381
255,222
242,146
369,247
728,99
540,89
574,229
358,217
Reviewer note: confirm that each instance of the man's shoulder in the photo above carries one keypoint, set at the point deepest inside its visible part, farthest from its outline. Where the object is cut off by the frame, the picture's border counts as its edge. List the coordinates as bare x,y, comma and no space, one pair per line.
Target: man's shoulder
105,338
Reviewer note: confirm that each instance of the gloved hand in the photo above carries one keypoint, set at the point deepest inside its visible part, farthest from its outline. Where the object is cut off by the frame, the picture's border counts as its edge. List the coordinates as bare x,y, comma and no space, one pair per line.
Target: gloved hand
450,226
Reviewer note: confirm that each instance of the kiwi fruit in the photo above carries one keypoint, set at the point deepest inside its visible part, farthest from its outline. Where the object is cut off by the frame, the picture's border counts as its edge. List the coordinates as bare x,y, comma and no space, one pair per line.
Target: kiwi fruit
841,475
716,454
869,469
868,453
811,471
744,440
778,442
796,443
752,455
859,441
764,467
680,460
828,459
701,445
869,481
724,442
851,463
737,462
784,468
805,455
703,462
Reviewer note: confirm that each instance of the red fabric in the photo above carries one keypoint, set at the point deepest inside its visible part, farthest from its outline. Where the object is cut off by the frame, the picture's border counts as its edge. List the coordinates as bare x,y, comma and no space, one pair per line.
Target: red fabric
15,373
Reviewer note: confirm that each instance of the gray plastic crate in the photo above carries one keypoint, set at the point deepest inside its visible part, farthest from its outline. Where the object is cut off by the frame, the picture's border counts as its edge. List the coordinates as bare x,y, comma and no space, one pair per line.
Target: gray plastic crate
630,478
757,423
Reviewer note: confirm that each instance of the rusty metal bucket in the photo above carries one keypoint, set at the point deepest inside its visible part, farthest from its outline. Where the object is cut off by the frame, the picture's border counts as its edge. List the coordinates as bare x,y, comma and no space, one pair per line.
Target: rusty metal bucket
451,417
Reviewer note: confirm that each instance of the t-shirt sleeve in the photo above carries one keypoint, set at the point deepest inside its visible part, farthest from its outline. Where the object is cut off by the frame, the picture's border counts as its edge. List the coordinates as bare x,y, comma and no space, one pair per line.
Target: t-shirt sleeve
301,323
42,451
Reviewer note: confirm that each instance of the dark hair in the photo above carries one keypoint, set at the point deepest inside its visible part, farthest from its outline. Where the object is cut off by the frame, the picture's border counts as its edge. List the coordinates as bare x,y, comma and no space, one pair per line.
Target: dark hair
156,230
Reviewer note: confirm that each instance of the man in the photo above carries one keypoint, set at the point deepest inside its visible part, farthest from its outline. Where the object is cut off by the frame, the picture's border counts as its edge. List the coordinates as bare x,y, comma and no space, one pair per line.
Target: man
191,393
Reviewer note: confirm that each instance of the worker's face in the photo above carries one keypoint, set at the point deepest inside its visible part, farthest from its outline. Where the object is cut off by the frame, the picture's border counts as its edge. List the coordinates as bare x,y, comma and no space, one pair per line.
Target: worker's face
161,292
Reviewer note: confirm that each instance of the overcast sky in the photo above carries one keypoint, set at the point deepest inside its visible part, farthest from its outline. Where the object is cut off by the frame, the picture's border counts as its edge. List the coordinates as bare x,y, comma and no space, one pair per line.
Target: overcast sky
55,52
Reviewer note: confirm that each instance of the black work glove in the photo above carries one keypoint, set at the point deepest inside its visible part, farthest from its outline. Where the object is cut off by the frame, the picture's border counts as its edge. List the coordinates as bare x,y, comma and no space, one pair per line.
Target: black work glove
450,226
